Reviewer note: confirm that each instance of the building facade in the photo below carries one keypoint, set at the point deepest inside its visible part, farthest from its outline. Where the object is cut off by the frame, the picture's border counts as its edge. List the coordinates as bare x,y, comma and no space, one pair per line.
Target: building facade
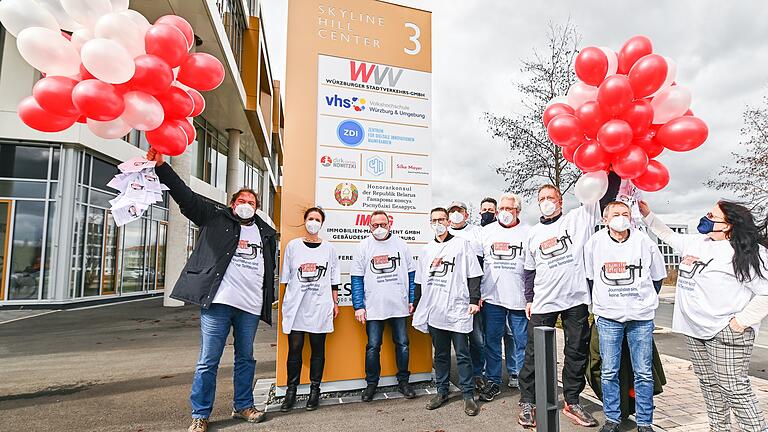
59,244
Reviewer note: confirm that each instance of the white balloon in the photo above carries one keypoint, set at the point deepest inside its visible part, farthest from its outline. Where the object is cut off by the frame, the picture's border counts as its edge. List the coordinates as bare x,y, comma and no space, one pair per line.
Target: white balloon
581,93
80,37
557,99
112,129
86,12
107,60
613,60
137,19
48,51
671,75
65,21
121,29
590,187
670,104
17,15
119,5
142,111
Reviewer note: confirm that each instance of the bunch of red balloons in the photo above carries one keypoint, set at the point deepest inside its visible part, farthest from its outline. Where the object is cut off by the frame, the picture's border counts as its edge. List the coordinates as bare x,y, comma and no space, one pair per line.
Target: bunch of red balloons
111,69
625,110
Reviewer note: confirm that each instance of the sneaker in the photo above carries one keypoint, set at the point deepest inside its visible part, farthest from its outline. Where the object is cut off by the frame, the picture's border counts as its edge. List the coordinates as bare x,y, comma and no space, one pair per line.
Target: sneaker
479,383
644,429
406,390
251,415
198,425
368,393
513,383
437,401
527,416
610,426
470,407
578,416
490,391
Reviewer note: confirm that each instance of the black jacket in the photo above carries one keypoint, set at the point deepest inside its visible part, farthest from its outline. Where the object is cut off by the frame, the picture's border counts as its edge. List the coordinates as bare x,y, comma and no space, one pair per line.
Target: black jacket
216,244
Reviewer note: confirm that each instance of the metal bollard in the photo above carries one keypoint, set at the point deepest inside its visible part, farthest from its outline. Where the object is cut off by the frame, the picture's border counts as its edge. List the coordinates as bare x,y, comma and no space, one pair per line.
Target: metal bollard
545,353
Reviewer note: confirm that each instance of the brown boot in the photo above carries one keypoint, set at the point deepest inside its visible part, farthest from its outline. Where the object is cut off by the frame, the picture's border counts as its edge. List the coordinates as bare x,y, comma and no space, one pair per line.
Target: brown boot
198,425
251,415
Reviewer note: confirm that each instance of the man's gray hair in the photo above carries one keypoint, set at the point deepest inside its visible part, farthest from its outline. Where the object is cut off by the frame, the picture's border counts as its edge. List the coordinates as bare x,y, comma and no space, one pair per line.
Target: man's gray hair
511,196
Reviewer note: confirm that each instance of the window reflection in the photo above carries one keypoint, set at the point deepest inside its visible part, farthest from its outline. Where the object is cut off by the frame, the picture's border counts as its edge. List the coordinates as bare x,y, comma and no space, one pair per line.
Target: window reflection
17,161
133,256
27,247
93,248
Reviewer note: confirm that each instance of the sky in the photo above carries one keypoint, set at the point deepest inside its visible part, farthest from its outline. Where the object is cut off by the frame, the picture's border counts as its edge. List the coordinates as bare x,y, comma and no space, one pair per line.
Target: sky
721,49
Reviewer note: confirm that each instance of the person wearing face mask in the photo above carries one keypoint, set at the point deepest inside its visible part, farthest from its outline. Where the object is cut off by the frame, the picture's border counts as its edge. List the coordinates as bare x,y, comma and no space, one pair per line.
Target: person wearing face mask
312,276
460,227
624,268
721,297
487,211
503,293
383,291
230,275
447,296
556,287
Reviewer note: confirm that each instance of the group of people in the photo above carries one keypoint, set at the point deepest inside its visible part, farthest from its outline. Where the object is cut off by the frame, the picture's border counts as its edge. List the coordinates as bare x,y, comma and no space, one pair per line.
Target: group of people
479,289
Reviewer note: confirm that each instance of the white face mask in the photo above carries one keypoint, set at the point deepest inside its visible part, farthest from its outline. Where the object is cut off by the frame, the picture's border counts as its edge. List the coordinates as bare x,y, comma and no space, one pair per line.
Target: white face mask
547,208
439,229
380,233
456,218
619,223
244,211
506,218
313,226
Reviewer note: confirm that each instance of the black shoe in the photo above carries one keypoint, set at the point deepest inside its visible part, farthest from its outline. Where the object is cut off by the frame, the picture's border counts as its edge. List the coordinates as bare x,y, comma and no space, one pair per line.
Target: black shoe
290,399
437,401
314,397
405,388
527,416
368,393
610,426
490,391
644,429
470,407
479,383
578,416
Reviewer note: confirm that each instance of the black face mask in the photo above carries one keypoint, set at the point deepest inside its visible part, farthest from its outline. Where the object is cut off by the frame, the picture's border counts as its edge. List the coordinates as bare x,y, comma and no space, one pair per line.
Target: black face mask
486,218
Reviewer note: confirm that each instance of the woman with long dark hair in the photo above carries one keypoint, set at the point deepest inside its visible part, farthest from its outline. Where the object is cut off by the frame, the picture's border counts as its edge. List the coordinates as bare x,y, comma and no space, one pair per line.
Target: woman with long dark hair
722,295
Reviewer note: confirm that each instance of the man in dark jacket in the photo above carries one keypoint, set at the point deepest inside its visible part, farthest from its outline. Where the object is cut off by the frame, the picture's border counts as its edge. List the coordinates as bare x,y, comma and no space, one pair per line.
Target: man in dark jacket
230,275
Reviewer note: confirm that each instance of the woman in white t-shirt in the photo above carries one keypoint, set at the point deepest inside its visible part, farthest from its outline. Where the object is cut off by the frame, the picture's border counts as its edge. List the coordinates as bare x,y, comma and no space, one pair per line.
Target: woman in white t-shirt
721,297
310,304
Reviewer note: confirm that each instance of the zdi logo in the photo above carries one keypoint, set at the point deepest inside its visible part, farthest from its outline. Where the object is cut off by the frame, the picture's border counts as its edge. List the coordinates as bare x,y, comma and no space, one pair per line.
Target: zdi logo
362,72
335,101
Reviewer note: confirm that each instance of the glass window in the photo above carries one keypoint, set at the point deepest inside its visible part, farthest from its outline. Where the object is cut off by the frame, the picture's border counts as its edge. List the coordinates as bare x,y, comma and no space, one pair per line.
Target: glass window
22,189
55,164
221,167
17,161
5,225
26,250
49,249
101,199
103,172
133,256
85,178
162,239
93,247
108,277
77,247
150,247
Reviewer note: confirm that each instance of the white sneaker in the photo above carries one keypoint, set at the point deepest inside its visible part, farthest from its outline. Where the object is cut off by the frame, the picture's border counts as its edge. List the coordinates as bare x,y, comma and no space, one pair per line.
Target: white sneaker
513,383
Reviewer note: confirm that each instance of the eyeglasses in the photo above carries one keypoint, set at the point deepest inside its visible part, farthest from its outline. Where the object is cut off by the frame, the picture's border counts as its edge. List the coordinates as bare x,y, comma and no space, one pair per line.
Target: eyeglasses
379,225
712,217
439,220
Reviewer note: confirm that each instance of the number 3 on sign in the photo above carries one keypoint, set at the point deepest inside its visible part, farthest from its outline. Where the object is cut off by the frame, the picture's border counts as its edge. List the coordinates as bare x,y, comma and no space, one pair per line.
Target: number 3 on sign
414,39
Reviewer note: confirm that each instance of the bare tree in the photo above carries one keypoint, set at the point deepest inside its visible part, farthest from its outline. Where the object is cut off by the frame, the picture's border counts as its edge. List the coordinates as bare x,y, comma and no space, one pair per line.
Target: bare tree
746,175
534,159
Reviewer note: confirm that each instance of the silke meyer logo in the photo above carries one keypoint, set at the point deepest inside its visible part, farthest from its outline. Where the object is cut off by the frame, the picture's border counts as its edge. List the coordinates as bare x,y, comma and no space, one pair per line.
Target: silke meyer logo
335,101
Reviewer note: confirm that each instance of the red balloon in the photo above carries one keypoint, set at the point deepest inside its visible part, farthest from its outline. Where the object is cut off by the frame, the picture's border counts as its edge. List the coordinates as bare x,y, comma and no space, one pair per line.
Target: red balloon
632,50
630,163
201,71
166,42
34,116
54,94
153,75
591,66
654,178
565,130
569,151
169,138
555,110
683,133
84,74
688,113
589,157
82,119
591,117
181,24
199,102
615,136
176,103
648,75
650,144
98,100
188,128
615,94
639,116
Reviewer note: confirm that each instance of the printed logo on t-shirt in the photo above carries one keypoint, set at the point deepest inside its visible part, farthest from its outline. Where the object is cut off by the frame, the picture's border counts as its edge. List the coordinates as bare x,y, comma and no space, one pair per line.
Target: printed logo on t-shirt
247,250
690,266
555,246
384,263
441,267
311,272
506,251
620,273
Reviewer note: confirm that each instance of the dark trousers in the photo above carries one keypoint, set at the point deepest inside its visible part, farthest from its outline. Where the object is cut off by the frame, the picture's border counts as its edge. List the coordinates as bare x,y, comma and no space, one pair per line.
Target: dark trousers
375,330
441,341
316,359
477,345
576,328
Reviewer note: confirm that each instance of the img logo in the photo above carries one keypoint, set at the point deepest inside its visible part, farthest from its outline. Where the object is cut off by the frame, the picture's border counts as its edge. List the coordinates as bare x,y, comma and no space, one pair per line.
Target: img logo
375,165
358,104
350,133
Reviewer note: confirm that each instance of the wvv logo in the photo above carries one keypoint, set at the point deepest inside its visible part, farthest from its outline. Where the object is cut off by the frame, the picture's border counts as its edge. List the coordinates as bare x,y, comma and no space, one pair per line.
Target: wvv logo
362,72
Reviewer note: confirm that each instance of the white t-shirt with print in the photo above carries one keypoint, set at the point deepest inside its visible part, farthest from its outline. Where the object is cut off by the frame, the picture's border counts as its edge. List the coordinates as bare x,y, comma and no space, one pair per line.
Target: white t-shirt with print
384,265
443,270
623,275
471,233
308,274
504,252
242,284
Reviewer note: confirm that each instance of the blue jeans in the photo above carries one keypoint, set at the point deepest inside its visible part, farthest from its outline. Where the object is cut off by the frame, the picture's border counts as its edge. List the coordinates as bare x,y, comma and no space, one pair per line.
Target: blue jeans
441,341
640,340
375,330
509,354
496,318
477,345
215,323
